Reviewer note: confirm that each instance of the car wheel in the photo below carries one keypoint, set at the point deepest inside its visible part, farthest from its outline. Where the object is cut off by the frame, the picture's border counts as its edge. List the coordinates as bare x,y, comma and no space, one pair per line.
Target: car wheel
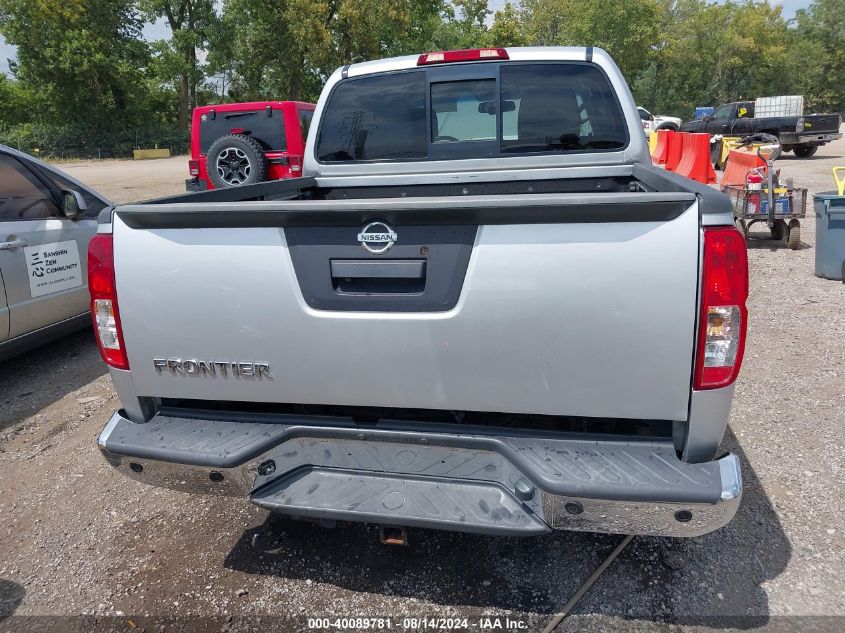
236,159
805,151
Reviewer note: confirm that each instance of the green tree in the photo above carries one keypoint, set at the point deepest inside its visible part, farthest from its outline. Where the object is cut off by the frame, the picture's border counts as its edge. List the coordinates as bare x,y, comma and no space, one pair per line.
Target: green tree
286,49
817,54
177,60
627,29
708,54
507,29
83,60
15,102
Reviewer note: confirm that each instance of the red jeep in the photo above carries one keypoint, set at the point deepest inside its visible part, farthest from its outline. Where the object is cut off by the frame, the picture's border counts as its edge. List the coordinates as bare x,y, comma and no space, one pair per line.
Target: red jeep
243,143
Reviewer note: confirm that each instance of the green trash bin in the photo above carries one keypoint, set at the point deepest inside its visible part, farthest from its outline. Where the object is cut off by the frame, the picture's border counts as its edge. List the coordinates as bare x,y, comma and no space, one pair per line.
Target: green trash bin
830,235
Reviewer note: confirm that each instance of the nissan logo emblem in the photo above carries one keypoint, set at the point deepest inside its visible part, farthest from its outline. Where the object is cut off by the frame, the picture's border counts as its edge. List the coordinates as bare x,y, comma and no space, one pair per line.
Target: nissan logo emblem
377,238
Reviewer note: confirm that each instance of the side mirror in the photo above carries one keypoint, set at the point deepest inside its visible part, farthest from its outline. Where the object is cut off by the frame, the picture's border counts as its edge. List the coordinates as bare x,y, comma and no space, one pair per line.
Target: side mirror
73,204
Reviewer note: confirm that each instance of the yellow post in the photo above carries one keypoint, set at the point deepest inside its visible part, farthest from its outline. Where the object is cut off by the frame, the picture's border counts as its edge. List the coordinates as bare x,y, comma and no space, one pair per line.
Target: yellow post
652,141
142,154
840,180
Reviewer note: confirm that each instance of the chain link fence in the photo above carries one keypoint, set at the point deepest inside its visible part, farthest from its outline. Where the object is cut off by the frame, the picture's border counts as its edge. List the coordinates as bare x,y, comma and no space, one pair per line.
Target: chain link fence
70,143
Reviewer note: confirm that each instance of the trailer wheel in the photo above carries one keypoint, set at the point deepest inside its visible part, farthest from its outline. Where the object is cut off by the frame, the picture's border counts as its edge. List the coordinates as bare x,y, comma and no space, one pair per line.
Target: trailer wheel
794,239
779,230
742,226
236,159
805,151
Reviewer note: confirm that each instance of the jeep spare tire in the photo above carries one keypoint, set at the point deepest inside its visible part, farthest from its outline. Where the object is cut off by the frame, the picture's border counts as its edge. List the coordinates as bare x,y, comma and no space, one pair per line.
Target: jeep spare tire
236,159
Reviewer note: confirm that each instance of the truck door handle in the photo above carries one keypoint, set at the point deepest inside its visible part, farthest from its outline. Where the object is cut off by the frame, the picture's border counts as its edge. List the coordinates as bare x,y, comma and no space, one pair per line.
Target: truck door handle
5,246
371,269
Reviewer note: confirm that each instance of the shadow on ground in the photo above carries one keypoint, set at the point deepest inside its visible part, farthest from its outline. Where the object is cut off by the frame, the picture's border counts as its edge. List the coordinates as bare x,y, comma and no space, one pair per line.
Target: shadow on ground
11,595
791,157
713,580
40,377
761,240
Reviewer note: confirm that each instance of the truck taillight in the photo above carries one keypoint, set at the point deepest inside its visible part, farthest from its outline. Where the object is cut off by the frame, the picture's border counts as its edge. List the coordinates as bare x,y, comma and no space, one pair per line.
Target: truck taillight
724,317
104,310
194,167
466,55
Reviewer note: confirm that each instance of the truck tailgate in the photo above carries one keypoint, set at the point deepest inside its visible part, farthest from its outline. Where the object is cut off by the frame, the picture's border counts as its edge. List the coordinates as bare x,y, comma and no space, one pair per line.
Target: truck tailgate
540,304
817,123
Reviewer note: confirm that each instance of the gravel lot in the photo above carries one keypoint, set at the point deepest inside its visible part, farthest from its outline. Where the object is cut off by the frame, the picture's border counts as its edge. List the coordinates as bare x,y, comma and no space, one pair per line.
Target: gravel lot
129,180
78,539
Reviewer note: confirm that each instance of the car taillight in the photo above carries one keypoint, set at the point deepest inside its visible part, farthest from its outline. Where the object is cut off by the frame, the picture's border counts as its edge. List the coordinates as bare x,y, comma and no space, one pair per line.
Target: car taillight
466,55
724,317
194,167
104,310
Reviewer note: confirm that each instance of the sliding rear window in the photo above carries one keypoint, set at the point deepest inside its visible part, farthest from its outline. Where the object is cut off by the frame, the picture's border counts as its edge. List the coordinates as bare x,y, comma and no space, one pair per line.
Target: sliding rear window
530,108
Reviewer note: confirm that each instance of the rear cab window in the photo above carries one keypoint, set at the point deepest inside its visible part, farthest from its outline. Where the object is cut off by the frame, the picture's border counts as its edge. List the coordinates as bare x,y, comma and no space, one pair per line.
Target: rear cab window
437,112
382,117
463,111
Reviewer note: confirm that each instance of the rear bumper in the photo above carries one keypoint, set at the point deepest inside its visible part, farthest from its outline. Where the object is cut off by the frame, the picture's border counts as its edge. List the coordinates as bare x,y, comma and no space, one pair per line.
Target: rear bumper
819,138
801,138
434,476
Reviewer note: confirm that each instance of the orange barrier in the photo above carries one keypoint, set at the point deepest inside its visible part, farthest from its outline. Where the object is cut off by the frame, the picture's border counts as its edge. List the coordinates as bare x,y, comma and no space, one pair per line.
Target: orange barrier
738,165
658,156
695,159
673,150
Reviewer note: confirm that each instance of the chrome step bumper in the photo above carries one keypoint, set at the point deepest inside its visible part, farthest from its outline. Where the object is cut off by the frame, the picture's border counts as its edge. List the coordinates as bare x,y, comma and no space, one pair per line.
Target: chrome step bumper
429,475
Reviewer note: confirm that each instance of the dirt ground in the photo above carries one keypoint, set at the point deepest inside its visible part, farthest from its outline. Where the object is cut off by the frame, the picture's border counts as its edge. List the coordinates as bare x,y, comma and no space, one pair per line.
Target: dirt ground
131,180
77,539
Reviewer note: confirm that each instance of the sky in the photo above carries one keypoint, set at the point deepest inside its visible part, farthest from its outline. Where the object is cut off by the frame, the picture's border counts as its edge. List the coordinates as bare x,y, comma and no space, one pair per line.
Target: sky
160,30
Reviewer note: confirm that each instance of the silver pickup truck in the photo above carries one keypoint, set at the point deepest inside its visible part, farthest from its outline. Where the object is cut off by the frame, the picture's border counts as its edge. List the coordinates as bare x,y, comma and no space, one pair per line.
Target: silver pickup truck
482,309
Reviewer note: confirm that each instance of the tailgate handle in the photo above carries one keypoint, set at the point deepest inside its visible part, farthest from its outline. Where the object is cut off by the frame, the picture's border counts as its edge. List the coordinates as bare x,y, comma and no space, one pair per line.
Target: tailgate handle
385,269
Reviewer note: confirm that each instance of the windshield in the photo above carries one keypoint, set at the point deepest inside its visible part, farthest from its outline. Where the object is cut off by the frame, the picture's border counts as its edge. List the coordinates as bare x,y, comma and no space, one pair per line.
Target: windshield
532,108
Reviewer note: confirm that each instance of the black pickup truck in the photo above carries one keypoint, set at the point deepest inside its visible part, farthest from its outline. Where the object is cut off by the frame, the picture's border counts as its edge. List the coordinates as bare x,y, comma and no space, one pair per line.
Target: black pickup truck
801,134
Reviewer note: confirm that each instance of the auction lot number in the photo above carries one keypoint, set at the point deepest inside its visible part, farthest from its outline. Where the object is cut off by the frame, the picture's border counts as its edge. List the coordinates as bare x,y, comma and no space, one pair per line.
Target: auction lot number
411,624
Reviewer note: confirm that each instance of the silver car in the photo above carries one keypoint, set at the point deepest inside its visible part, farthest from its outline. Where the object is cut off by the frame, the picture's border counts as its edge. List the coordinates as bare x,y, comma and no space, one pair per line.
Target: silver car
46,221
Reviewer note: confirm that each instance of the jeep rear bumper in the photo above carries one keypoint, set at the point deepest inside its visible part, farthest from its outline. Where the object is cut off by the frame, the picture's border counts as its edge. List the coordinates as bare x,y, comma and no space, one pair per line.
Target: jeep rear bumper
450,477
195,184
